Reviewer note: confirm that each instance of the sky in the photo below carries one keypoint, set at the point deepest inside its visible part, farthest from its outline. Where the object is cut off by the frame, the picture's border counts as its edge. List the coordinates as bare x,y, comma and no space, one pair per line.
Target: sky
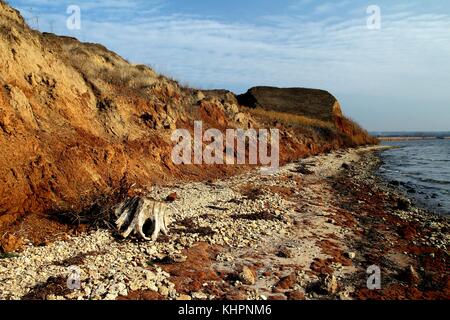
390,71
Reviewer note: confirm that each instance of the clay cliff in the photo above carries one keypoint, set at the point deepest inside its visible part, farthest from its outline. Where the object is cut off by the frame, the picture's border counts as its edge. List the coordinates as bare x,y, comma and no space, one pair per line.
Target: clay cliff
78,122
313,103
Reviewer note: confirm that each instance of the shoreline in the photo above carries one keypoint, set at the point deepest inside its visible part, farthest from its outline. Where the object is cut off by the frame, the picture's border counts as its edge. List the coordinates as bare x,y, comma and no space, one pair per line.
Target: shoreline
412,138
308,232
422,198
407,240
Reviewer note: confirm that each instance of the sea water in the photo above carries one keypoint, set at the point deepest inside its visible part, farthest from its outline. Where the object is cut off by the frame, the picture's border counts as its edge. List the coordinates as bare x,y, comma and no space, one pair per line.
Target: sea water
422,168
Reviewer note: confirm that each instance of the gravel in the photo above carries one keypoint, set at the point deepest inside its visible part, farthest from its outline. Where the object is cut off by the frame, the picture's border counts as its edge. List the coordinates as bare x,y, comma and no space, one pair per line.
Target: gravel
113,267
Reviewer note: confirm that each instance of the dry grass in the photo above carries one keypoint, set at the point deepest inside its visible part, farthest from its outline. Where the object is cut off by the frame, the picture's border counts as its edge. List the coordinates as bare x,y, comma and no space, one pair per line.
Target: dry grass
348,129
355,132
290,119
127,76
109,68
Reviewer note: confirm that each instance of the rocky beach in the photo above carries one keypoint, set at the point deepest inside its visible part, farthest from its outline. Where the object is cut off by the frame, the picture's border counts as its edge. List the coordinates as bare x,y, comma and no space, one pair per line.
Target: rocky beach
310,231
99,153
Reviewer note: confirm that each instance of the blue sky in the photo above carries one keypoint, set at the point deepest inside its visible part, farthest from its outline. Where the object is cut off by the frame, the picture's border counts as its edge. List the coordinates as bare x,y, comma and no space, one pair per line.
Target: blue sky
391,79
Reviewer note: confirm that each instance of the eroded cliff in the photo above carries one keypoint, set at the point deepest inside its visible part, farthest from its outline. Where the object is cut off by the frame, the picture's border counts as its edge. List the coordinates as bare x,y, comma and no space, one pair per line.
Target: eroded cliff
78,122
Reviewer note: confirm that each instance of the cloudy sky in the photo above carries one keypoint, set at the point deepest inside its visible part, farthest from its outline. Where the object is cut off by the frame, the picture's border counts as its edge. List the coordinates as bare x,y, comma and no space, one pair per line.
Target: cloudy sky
393,78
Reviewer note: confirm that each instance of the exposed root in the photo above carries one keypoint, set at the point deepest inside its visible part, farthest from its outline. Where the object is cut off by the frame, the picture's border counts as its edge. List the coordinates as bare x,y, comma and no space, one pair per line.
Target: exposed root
135,214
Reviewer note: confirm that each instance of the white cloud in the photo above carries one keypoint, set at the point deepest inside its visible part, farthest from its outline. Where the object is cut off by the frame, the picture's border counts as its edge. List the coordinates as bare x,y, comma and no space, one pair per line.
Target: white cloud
409,56
330,7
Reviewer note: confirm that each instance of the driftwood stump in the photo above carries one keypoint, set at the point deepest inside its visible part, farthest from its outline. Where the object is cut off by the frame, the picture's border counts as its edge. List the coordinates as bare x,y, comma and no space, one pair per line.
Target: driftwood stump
135,213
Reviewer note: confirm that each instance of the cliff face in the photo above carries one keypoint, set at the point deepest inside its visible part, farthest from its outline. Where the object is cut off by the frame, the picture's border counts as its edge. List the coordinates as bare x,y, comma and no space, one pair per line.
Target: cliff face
77,121
313,103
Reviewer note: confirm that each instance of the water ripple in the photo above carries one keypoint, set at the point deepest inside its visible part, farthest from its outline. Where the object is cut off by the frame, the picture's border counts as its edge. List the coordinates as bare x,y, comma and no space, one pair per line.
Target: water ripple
421,165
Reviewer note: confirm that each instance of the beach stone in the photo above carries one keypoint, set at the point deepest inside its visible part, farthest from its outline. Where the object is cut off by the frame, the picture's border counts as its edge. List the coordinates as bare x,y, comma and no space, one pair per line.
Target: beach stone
247,276
163,290
351,255
346,166
183,297
403,204
329,283
172,197
200,296
286,282
285,253
296,295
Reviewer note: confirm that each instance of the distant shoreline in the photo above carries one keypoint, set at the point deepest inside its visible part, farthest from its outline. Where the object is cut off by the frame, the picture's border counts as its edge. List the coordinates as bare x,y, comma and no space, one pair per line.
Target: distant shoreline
410,138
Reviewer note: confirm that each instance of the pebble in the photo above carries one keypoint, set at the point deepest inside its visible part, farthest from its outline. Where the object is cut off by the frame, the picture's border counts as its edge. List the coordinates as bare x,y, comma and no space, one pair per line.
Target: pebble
247,276
329,283
163,290
351,255
200,296
183,297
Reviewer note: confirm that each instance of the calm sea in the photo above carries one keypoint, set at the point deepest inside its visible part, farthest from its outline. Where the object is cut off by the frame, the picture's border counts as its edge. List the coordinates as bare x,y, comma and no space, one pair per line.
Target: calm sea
422,167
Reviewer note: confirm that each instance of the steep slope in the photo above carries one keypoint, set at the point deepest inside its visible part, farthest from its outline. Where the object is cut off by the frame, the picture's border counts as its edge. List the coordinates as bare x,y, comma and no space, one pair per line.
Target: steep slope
78,123
69,127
